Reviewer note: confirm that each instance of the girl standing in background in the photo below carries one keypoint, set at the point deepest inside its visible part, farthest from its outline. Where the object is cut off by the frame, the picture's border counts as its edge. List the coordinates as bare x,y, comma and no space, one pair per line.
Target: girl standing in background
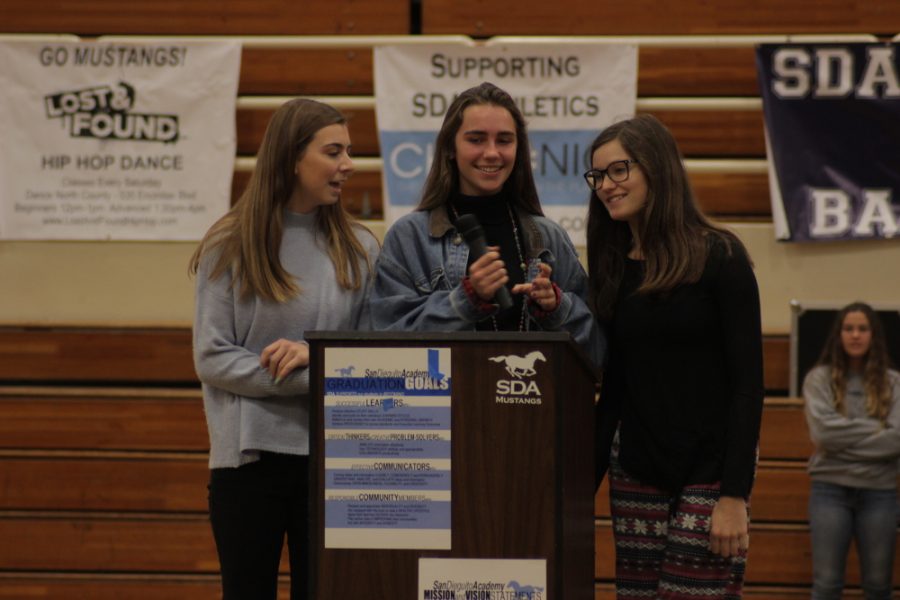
853,410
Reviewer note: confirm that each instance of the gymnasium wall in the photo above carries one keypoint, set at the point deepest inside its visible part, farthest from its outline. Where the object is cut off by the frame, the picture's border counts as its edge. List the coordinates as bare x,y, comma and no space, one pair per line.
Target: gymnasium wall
144,283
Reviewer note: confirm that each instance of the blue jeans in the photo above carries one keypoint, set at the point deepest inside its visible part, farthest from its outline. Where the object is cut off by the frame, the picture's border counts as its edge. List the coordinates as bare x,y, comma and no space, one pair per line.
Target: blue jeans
838,514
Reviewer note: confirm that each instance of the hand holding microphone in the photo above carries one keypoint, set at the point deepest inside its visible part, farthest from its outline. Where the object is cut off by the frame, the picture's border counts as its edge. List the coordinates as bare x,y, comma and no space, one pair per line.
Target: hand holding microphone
487,273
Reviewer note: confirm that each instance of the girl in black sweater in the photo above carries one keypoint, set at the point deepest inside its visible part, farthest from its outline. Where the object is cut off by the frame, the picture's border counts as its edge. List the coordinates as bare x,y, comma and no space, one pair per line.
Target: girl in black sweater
679,413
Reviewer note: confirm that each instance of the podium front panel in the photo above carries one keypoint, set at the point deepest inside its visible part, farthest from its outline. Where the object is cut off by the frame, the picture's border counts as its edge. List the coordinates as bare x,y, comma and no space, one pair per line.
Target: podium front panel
520,460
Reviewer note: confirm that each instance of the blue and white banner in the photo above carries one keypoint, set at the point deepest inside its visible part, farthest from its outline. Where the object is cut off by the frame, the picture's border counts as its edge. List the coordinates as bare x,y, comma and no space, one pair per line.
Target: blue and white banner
116,141
567,92
832,115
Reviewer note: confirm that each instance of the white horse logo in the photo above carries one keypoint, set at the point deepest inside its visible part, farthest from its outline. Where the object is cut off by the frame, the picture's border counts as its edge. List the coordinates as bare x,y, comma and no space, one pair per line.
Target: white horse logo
520,366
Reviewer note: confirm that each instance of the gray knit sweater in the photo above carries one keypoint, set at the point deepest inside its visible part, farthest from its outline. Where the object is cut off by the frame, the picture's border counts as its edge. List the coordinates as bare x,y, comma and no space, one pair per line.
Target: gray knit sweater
853,450
246,411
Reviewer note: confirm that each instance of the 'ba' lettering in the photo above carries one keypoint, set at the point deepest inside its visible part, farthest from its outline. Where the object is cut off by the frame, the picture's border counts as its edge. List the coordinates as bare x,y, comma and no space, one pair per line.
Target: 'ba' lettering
833,213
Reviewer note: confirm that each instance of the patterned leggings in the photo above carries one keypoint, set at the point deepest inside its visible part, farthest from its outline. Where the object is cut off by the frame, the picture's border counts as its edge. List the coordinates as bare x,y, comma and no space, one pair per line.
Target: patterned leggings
662,542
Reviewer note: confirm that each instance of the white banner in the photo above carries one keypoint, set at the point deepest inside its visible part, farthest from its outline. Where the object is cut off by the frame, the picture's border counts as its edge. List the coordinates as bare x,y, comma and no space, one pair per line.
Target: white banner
116,141
568,92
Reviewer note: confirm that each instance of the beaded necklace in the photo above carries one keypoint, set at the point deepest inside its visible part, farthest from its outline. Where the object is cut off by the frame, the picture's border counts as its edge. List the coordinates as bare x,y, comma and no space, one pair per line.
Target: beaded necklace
523,316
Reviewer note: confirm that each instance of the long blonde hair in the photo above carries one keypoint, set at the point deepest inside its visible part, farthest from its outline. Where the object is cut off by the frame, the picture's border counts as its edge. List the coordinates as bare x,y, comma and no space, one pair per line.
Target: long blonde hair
247,239
875,364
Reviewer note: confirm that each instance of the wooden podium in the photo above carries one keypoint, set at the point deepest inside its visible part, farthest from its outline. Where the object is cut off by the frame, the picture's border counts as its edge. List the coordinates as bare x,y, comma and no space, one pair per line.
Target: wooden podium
521,455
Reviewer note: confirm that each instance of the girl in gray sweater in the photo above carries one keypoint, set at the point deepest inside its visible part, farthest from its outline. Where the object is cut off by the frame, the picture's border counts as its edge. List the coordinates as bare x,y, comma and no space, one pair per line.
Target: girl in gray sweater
853,411
284,260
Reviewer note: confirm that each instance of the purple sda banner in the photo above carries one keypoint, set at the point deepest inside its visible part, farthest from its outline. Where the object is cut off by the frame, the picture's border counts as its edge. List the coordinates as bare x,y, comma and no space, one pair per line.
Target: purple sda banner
832,115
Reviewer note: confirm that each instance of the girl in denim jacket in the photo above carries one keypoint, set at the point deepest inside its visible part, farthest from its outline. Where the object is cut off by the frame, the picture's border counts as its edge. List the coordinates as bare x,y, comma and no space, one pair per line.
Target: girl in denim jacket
427,280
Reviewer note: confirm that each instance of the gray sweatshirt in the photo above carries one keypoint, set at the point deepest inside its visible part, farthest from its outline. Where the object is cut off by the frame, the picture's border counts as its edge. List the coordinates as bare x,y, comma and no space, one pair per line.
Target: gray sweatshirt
853,450
246,411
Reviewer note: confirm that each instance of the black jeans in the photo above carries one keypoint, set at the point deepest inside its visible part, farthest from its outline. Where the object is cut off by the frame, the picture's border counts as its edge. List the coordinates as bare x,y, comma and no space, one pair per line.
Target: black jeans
251,508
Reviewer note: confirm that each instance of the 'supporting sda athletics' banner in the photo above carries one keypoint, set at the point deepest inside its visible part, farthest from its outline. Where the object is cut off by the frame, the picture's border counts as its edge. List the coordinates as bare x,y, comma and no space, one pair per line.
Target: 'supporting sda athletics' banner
568,92
116,141
832,116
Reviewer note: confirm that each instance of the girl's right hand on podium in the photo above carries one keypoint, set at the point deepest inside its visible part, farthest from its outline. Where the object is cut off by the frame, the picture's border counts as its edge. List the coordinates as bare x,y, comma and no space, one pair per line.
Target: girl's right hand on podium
283,356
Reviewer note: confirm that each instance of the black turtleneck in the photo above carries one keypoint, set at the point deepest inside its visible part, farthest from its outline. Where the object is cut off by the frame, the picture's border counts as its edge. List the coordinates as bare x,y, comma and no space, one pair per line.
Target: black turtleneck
493,212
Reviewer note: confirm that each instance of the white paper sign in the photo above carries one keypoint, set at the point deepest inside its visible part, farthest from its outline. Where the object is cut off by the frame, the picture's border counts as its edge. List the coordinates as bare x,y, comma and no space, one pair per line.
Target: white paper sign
387,448
482,579
120,141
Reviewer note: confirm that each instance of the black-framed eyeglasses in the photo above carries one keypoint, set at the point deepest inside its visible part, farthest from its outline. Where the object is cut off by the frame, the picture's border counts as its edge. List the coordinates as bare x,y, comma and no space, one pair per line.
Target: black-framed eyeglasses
616,171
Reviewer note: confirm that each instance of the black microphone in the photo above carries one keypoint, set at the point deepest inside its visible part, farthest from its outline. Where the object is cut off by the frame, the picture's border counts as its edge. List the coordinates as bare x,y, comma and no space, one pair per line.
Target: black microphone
469,227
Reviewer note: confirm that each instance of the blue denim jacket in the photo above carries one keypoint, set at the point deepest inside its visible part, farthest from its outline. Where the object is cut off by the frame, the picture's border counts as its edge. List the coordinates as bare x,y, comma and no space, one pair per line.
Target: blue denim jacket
418,280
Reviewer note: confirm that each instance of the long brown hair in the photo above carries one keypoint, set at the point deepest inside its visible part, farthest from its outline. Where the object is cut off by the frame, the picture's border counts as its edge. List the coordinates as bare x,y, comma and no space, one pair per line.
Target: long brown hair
443,178
875,364
674,233
247,239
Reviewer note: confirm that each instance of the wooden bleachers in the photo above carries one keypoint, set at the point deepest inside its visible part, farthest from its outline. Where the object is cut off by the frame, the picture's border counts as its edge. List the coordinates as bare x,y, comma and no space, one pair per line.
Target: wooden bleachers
208,17
102,489
780,554
646,17
664,72
37,355
738,133
723,133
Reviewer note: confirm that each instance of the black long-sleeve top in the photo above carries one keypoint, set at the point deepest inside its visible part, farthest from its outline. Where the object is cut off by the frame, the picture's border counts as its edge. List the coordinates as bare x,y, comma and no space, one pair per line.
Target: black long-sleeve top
684,383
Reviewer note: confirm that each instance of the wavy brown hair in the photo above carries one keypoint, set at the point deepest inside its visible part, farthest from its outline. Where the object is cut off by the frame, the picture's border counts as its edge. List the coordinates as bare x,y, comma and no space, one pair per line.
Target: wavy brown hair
875,364
247,239
443,178
674,233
